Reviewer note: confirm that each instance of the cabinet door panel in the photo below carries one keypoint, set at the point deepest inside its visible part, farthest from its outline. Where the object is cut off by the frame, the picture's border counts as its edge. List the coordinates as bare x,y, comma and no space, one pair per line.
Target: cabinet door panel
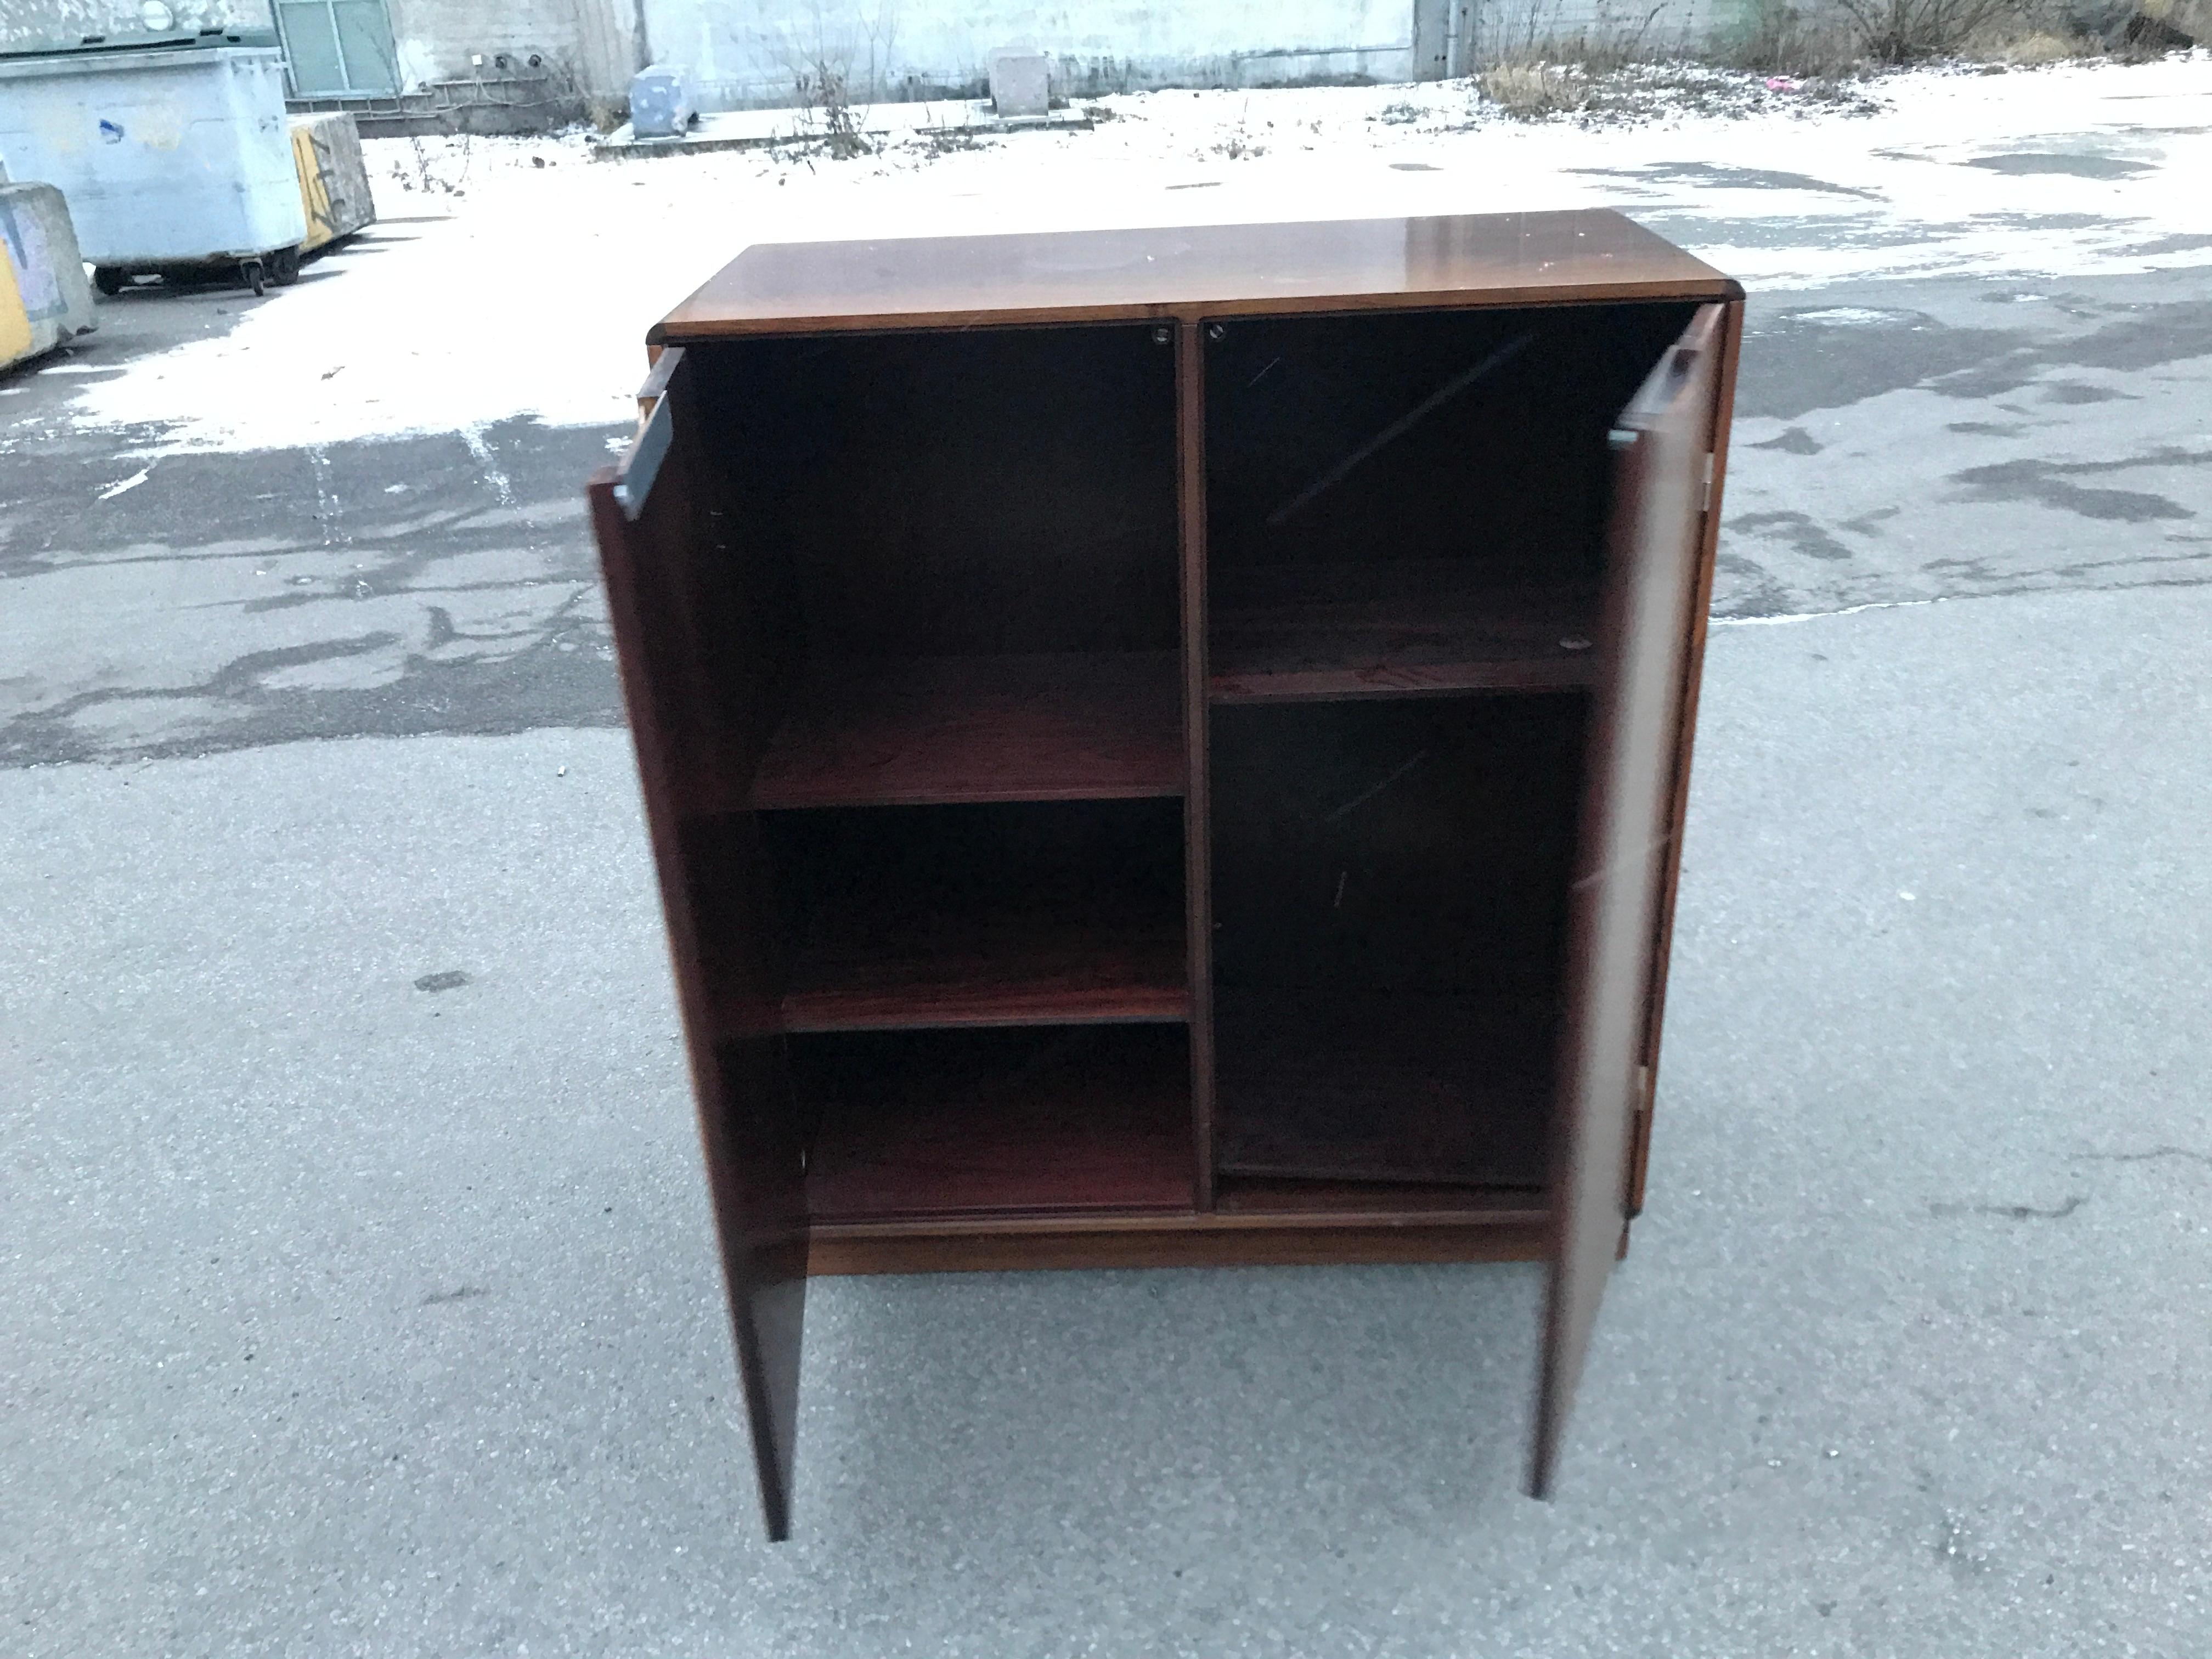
1662,443
689,656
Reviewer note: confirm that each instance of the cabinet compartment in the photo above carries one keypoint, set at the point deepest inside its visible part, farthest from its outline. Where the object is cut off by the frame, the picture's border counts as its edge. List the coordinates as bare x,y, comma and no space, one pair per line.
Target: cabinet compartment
1389,906
1068,725
1038,1120
1414,503
962,551
964,493
981,916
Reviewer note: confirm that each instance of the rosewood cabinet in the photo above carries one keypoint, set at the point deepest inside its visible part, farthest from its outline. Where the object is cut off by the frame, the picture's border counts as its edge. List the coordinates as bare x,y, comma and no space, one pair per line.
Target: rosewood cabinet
1168,747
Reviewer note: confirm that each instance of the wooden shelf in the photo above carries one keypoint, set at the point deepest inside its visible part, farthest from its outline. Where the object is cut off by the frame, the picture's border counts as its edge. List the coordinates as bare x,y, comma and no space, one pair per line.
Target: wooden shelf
1401,1201
1059,1120
1344,1085
1394,629
1155,1239
1003,970
924,730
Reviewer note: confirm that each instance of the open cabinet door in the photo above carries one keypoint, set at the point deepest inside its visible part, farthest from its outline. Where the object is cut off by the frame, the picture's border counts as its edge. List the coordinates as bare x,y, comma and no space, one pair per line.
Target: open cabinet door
684,655
1663,448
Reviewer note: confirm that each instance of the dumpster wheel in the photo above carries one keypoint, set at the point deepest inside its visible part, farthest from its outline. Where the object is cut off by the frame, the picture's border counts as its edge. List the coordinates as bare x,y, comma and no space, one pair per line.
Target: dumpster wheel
284,266
256,275
110,280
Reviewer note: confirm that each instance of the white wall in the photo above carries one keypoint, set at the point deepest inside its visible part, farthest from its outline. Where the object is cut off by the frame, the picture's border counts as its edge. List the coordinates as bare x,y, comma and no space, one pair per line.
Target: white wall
747,53
1506,27
592,40
433,40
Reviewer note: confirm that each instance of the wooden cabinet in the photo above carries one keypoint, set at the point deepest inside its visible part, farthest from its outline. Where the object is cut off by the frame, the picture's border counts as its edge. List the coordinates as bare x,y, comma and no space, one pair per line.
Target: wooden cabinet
1168,747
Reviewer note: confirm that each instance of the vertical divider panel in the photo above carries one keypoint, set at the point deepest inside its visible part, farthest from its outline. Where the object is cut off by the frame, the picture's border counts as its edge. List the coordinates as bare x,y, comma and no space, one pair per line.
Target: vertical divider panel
1197,826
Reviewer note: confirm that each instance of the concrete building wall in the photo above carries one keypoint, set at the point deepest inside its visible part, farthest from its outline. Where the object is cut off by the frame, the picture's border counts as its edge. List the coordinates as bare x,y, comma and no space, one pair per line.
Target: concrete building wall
1507,28
753,53
750,54
593,41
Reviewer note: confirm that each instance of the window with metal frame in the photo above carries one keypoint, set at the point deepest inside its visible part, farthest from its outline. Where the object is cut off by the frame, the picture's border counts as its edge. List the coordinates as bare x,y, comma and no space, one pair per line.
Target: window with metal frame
338,48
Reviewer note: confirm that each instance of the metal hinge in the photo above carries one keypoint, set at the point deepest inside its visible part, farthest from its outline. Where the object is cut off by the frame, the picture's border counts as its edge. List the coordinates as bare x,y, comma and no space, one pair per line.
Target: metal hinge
1640,1144
643,464
1705,493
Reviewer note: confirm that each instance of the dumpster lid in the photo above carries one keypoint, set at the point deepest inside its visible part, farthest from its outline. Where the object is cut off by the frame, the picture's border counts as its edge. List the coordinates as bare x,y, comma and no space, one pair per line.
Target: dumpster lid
142,41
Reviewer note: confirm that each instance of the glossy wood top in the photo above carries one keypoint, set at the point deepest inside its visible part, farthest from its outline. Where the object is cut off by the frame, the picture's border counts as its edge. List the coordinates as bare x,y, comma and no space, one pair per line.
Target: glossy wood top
1190,272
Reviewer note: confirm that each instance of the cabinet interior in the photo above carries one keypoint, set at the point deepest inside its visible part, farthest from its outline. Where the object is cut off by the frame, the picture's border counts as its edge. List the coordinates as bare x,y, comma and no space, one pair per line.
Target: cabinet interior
1389,906
1050,911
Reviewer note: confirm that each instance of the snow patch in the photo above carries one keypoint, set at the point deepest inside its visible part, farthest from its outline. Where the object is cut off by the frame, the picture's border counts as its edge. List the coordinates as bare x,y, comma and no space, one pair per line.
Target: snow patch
515,278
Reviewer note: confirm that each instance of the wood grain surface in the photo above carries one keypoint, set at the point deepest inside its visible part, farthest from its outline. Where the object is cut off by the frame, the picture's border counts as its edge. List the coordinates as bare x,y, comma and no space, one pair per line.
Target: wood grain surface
1075,725
1191,272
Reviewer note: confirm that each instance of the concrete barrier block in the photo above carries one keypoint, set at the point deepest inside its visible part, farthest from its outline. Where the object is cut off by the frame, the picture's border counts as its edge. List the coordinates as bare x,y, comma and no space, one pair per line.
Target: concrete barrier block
334,194
1021,84
44,299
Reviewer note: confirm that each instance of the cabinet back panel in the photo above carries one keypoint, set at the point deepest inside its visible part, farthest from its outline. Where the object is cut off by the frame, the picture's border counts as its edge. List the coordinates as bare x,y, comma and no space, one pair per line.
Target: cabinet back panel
928,871
1418,845
961,493
1390,902
1465,434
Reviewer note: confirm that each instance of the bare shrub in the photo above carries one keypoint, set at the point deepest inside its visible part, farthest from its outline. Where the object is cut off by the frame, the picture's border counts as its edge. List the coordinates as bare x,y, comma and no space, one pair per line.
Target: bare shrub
838,56
2031,46
1906,31
1533,90
1529,32
1783,37
442,164
825,92
1238,143
936,142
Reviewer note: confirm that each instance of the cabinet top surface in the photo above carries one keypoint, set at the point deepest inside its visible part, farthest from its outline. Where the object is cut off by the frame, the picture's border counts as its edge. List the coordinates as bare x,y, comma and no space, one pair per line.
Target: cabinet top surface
1189,272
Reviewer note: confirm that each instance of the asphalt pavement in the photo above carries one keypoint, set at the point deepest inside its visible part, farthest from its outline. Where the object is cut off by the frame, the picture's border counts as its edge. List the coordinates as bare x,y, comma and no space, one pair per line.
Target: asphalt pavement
358,1285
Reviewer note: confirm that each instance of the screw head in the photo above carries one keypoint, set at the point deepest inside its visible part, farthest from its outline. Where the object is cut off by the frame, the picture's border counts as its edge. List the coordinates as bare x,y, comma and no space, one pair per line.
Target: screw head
1162,335
1216,331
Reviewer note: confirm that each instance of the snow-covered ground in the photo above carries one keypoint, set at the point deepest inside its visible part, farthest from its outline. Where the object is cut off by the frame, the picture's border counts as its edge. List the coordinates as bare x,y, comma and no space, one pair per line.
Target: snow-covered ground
517,277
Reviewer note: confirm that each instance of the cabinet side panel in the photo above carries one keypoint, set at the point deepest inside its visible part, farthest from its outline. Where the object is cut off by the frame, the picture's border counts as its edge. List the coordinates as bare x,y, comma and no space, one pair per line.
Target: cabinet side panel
653,550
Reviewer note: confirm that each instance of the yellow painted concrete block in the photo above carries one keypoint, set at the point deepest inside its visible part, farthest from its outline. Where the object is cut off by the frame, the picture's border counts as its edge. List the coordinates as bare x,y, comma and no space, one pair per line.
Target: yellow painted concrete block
333,178
16,335
44,299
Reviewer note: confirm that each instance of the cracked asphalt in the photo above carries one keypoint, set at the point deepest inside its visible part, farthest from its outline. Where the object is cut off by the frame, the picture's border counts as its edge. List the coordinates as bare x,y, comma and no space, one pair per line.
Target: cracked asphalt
1897,440
358,1281
440,583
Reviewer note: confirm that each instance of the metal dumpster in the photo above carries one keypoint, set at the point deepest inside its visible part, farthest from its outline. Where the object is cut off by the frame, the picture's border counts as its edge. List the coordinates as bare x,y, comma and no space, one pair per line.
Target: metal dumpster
175,157
44,298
